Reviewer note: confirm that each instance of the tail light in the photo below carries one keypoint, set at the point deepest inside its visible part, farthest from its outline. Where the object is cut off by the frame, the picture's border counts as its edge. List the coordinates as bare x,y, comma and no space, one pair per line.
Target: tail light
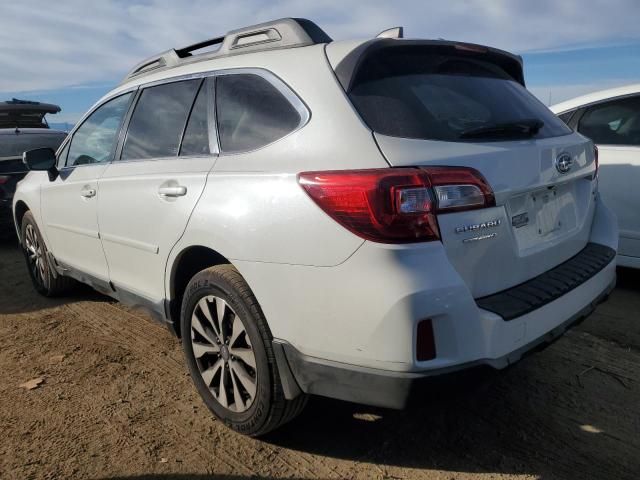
396,205
3,179
595,156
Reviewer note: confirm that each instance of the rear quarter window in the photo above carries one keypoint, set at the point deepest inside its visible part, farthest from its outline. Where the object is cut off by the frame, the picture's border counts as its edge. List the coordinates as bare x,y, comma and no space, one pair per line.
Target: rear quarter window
251,112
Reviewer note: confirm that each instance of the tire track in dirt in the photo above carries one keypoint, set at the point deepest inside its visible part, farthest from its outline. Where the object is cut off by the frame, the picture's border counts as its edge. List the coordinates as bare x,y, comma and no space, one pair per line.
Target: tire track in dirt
121,401
160,351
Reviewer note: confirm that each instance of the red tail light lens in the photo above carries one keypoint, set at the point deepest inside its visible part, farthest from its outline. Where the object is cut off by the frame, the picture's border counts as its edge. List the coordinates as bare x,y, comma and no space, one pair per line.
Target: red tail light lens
383,205
396,205
3,179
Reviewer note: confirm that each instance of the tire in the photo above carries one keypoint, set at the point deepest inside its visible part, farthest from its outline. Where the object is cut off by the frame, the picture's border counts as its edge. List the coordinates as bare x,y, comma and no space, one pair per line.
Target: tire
35,254
238,380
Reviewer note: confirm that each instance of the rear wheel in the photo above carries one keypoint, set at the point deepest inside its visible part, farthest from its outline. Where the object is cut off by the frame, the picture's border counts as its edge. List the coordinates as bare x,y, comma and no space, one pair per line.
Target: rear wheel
227,345
35,254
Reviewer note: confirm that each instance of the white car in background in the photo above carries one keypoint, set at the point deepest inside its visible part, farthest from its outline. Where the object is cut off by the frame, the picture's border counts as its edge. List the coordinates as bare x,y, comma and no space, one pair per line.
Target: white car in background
611,118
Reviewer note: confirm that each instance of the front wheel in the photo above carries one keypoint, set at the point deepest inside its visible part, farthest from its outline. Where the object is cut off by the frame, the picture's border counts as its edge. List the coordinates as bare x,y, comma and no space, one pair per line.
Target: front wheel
40,270
227,346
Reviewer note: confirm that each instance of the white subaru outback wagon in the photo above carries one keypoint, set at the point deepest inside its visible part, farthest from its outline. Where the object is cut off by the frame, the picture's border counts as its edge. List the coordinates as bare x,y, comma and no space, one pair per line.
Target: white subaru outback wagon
331,218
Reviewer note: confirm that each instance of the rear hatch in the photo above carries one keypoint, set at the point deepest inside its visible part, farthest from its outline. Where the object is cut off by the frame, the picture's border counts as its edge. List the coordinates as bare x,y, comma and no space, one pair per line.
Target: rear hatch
446,104
25,113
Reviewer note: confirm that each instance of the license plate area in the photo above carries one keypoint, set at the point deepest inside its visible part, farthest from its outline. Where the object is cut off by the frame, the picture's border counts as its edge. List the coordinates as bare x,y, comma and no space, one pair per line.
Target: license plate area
542,214
548,211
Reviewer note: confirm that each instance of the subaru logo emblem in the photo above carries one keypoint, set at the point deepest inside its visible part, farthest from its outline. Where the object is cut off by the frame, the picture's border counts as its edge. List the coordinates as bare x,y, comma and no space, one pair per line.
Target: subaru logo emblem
564,162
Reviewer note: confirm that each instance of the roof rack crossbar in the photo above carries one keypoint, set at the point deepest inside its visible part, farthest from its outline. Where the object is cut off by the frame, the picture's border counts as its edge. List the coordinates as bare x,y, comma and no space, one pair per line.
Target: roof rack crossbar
282,33
187,51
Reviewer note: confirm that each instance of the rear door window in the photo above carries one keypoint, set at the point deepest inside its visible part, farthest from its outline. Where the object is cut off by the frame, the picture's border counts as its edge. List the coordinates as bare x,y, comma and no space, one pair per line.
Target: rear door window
411,92
159,120
251,112
613,123
196,135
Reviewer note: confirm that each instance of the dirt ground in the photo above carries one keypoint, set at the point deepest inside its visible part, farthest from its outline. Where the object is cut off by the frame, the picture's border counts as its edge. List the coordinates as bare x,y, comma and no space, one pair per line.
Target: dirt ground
116,402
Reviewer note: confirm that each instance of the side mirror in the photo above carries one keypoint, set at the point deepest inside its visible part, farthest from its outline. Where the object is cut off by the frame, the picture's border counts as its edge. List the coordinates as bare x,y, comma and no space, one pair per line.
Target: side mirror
40,159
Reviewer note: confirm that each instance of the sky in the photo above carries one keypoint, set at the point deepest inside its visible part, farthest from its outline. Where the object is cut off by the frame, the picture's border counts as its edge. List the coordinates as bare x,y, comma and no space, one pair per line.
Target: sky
71,52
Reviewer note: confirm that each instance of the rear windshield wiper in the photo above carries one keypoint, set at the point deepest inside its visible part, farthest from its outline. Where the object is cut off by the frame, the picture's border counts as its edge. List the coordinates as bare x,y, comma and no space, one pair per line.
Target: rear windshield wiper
520,128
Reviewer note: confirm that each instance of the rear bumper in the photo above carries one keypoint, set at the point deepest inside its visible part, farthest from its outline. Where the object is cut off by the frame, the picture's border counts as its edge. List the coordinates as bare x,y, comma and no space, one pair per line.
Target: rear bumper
383,388
361,317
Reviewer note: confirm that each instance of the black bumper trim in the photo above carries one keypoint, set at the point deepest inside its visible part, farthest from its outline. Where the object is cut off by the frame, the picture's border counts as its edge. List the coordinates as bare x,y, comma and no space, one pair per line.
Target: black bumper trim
381,388
549,286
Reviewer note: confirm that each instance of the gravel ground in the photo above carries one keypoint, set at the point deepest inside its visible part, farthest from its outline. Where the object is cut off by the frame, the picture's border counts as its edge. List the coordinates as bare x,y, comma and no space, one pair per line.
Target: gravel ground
115,402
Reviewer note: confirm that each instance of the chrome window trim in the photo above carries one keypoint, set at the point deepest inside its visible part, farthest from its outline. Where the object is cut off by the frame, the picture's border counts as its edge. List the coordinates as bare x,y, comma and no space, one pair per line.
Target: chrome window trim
290,95
280,85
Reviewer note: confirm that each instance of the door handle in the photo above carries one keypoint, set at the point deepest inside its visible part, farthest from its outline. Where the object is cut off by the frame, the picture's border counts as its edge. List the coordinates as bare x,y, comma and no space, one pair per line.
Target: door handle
178,191
88,192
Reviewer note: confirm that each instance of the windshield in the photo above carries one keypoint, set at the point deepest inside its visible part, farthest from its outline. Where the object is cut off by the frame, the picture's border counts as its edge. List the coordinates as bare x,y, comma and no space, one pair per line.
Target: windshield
13,145
405,92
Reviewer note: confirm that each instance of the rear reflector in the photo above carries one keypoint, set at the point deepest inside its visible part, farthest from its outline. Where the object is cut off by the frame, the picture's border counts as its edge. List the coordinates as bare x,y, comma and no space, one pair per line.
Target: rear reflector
396,205
425,341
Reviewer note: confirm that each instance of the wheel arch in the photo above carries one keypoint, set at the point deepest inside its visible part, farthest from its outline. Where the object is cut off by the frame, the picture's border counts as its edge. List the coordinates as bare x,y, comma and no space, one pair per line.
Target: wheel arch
18,213
187,263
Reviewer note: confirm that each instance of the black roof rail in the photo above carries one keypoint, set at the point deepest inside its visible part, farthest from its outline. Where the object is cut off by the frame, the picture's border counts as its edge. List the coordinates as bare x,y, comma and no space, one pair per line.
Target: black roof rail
276,34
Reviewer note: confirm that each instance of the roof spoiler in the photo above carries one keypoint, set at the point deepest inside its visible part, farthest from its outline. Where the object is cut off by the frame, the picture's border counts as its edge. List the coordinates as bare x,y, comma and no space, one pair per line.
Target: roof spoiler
348,67
276,34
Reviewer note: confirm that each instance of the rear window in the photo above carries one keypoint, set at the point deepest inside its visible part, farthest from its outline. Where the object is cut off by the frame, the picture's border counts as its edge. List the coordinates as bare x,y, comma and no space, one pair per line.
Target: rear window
411,93
13,145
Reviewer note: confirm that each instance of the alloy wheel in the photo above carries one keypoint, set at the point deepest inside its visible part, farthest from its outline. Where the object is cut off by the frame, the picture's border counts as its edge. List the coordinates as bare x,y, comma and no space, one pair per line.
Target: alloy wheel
224,354
35,254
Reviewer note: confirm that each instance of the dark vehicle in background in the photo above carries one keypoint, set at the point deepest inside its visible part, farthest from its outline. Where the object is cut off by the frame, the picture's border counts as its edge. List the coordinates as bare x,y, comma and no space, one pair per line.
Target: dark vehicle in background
22,127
